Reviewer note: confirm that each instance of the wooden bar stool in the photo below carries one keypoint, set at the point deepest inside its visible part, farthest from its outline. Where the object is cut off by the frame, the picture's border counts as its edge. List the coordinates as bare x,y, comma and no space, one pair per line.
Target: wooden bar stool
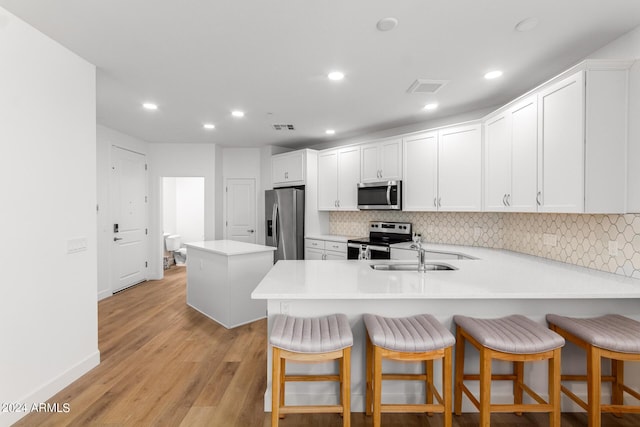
516,339
411,339
311,340
612,337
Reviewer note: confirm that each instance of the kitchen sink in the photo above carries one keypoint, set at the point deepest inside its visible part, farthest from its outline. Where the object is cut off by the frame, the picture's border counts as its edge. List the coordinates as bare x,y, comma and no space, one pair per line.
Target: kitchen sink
429,266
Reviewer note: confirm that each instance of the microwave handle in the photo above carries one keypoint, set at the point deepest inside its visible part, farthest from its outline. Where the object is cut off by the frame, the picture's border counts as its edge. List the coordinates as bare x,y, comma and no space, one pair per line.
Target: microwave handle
388,195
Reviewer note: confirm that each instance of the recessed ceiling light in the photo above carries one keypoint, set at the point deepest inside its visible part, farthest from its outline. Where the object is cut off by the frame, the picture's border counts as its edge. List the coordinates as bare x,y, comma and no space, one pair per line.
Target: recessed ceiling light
237,113
527,24
493,74
330,132
150,106
336,75
431,106
387,24
209,126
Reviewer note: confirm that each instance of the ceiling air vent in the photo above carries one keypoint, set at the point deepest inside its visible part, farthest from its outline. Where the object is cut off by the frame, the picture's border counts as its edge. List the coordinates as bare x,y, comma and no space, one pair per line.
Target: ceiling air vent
283,127
426,86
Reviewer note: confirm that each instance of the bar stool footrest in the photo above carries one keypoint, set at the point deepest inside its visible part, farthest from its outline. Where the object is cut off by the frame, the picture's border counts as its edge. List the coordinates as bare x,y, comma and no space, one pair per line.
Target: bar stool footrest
310,409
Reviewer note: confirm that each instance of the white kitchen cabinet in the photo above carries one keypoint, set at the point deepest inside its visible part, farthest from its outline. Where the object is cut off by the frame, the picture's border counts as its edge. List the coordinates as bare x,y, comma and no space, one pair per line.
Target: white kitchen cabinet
382,160
511,143
582,141
317,249
338,177
288,169
420,183
443,170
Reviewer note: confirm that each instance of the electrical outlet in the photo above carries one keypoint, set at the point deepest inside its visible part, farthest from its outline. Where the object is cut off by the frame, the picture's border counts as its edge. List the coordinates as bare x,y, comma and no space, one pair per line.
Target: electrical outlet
284,307
613,248
549,239
477,232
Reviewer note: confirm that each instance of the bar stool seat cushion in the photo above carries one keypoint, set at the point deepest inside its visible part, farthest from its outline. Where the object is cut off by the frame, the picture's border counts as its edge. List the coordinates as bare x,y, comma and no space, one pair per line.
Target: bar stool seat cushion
515,334
311,335
419,333
610,332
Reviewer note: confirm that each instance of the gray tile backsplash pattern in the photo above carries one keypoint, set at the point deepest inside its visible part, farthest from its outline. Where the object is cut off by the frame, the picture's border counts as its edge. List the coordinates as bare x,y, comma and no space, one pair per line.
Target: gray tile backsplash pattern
603,242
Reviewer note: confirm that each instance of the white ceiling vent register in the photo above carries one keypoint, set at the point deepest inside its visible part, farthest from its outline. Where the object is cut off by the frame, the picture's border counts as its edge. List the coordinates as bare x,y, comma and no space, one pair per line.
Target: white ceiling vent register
283,127
426,86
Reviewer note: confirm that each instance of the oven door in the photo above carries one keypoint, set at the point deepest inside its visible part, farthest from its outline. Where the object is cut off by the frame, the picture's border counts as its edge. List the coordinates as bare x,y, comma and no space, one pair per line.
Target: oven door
374,251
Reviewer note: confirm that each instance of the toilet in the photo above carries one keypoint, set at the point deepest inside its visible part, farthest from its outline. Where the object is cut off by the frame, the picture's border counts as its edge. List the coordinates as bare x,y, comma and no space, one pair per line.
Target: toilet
172,244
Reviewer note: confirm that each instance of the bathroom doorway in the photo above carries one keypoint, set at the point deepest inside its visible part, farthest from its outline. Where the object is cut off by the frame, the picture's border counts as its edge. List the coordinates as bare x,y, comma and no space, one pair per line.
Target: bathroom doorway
182,213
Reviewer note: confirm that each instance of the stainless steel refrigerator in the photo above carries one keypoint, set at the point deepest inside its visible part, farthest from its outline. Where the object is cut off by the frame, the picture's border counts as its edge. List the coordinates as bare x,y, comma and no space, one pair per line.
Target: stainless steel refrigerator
284,211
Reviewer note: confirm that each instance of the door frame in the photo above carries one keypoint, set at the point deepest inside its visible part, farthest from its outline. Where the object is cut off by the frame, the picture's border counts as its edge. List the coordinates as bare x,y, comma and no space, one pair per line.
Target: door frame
225,204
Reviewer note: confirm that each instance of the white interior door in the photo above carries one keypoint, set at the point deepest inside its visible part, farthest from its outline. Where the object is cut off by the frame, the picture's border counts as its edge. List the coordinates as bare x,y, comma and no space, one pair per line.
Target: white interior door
129,217
240,212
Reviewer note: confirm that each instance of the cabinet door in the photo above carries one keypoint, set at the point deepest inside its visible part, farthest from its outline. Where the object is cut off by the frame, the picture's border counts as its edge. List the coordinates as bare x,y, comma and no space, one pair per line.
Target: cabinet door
370,171
390,160
420,184
460,169
278,169
328,180
295,167
313,254
524,155
348,171
561,147
497,135
288,168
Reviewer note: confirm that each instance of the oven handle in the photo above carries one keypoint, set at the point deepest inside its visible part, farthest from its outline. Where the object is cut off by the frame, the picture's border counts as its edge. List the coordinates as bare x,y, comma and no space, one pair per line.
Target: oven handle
388,195
370,247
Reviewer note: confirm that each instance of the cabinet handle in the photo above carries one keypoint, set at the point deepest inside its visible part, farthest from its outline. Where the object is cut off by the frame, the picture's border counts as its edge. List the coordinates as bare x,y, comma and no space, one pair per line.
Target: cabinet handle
435,202
324,257
508,199
338,203
538,202
504,200
439,201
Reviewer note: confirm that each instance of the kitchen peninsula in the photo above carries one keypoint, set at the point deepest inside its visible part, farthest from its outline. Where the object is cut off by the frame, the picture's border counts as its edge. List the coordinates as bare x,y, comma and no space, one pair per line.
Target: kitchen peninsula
220,277
494,284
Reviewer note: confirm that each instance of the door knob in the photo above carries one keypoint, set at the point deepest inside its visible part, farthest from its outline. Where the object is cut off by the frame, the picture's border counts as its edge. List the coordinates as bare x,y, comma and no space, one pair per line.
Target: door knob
251,231
115,239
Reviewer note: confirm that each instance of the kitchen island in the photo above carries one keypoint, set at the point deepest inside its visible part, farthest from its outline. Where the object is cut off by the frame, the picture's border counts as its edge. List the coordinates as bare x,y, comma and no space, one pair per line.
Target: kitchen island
220,277
494,283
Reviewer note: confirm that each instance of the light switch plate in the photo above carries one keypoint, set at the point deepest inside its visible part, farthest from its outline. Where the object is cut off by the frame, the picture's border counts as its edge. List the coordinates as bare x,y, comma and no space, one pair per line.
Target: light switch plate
76,245
613,248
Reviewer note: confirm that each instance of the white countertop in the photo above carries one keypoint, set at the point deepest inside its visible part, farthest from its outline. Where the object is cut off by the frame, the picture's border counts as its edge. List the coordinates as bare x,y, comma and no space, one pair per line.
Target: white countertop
495,274
228,247
329,237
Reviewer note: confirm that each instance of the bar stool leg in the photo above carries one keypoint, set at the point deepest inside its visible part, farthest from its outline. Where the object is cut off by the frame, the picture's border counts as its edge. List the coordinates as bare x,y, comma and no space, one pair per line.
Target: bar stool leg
446,385
275,384
485,387
345,386
617,371
283,373
369,369
554,388
518,372
428,370
377,386
457,403
594,376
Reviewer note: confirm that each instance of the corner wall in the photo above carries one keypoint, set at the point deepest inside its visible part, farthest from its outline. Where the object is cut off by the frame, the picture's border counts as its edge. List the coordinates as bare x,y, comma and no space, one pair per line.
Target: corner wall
48,308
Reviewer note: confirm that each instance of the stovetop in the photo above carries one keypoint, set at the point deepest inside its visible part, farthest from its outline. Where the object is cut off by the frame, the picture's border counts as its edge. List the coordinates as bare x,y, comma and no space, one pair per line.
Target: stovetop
385,233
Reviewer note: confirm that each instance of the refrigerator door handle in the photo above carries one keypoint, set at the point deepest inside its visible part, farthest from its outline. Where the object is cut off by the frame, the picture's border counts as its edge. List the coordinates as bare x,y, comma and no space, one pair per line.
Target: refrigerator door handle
274,218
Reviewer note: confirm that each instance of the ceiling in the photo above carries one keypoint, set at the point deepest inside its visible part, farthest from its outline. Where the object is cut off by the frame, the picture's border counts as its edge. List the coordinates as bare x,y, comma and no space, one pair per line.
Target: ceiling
200,59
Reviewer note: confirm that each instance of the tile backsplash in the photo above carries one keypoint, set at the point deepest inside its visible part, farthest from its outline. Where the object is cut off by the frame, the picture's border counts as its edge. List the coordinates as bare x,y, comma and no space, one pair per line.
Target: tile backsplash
603,242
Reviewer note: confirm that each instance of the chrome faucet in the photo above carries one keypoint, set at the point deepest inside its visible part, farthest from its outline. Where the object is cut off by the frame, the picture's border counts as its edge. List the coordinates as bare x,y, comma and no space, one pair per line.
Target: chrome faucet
365,252
422,253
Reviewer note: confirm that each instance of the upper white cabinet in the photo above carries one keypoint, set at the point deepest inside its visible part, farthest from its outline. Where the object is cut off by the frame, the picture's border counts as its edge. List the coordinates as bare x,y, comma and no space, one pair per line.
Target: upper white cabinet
420,183
443,170
382,160
338,177
288,169
582,140
460,168
511,151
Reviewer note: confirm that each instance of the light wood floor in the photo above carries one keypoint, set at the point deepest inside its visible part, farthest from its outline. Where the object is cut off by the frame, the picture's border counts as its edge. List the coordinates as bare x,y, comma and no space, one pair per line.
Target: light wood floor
164,364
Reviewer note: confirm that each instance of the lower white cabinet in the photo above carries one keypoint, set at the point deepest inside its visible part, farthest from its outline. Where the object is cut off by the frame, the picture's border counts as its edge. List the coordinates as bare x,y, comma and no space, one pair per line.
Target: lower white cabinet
316,249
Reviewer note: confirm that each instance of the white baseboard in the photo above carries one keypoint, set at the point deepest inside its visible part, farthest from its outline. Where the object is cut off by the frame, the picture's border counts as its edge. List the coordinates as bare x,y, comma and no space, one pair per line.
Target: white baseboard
50,388
104,294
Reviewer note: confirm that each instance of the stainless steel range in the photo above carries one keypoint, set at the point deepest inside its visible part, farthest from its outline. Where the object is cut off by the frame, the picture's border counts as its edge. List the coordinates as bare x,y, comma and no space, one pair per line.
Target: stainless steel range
381,236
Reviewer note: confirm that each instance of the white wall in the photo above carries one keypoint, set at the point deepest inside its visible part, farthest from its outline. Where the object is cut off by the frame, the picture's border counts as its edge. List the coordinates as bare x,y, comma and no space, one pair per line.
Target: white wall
106,138
182,160
628,47
189,208
48,309
169,205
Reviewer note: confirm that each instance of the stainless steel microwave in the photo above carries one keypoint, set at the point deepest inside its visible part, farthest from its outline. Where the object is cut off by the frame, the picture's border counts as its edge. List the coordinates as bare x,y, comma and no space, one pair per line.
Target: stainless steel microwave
385,195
